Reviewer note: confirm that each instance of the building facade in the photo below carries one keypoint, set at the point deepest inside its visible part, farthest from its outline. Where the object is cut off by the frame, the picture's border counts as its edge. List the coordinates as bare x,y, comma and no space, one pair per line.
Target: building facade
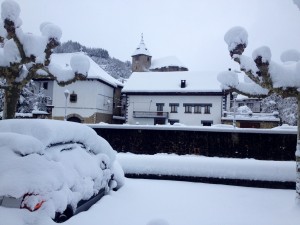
173,98
93,100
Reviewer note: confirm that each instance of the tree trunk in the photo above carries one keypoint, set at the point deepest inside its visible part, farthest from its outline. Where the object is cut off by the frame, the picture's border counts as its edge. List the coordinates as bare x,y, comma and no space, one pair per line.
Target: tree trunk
298,150
12,95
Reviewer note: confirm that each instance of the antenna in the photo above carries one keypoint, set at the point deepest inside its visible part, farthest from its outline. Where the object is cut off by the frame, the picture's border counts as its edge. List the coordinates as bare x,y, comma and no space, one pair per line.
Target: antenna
142,38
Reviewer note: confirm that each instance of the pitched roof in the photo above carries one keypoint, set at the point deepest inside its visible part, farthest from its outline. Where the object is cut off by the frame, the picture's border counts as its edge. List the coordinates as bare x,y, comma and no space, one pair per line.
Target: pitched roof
141,49
95,71
166,62
163,82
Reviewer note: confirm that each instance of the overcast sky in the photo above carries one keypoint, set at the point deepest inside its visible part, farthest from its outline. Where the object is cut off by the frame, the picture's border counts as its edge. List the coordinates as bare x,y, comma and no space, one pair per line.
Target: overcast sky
192,30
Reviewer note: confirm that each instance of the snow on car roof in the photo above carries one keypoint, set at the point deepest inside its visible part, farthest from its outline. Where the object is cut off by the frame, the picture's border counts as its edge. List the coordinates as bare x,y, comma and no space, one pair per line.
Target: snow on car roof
51,132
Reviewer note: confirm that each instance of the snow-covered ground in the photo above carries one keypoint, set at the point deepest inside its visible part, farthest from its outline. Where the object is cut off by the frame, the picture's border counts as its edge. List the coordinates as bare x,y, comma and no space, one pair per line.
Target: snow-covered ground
139,202
178,203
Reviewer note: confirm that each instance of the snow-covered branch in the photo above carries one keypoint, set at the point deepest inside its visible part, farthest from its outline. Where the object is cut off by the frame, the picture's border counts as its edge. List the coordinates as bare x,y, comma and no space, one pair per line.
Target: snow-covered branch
24,55
270,76
230,81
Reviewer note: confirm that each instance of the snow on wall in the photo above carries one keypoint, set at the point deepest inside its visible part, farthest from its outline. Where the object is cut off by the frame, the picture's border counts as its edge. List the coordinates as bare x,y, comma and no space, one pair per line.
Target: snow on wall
197,166
284,129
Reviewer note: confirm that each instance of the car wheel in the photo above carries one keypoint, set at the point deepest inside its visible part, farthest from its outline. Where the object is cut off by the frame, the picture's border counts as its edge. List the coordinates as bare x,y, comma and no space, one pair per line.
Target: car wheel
62,217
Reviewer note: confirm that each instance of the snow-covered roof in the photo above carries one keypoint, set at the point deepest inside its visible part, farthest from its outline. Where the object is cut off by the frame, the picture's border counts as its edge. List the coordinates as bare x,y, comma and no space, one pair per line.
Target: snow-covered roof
253,117
171,82
141,49
166,62
95,71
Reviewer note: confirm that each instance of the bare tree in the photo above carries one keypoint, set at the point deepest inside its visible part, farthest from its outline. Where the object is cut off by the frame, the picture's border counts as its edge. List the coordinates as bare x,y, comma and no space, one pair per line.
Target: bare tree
24,56
264,76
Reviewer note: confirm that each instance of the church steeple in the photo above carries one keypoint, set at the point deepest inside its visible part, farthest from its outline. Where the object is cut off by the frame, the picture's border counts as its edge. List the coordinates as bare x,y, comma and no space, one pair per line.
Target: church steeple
141,58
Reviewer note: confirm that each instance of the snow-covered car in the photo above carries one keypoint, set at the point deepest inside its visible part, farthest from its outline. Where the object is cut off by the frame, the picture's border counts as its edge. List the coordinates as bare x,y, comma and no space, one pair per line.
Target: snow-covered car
56,167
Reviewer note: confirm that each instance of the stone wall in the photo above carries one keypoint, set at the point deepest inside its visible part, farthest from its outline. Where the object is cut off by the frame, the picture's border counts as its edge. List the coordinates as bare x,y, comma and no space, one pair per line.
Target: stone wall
95,118
239,143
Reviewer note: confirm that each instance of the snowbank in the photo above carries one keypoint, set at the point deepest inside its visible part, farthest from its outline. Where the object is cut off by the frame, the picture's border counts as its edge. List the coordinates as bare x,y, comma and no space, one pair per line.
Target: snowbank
199,166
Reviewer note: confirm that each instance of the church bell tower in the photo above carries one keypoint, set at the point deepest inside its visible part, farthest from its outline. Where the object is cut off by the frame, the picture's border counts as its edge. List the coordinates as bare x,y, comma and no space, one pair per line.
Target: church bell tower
141,58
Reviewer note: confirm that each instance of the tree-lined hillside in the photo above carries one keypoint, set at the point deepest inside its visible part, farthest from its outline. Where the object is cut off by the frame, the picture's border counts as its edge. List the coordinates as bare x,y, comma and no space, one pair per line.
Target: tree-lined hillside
112,66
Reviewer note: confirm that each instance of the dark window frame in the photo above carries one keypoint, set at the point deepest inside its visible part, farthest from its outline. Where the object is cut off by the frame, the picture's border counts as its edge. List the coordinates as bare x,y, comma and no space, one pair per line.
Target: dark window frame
207,109
45,85
188,109
174,107
160,107
197,109
73,98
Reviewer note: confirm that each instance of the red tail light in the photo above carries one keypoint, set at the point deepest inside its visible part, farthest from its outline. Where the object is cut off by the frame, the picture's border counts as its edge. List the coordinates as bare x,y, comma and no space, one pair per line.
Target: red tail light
32,202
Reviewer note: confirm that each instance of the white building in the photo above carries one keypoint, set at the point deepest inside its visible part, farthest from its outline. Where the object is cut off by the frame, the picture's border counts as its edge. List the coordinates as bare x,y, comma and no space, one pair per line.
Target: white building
253,103
93,100
190,98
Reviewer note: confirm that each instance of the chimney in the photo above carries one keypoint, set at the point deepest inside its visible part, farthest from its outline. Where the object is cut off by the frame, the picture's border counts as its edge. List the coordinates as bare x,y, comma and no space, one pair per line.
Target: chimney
183,84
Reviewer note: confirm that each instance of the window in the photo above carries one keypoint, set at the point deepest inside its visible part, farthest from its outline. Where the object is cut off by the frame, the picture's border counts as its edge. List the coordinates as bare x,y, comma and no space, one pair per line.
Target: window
207,109
240,104
73,97
174,107
45,85
197,109
188,108
160,107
